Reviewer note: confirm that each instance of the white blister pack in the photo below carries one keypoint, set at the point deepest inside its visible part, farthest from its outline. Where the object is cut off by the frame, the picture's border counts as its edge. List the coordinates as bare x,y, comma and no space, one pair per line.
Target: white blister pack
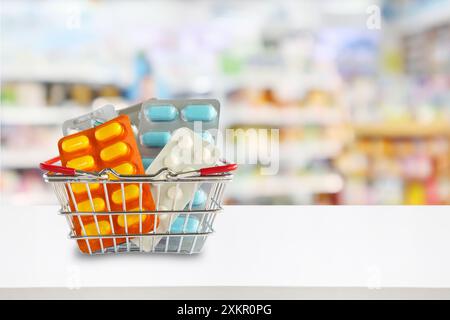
89,120
186,151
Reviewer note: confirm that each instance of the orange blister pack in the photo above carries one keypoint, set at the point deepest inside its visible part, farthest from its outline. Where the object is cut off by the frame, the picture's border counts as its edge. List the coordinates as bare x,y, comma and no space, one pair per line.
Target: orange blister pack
110,145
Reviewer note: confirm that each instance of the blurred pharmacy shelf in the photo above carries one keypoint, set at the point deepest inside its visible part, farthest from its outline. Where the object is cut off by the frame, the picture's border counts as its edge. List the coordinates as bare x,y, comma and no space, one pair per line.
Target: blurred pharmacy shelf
289,67
46,70
39,115
403,130
303,152
282,185
424,17
275,77
281,116
12,158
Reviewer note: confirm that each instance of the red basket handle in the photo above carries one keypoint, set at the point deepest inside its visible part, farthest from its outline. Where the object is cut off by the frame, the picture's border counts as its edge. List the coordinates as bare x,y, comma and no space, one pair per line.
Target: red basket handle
49,166
220,169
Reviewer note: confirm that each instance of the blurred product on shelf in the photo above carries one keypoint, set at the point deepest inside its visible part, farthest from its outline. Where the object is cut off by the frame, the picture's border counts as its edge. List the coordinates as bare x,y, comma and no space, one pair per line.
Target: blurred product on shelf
42,94
398,169
80,94
143,86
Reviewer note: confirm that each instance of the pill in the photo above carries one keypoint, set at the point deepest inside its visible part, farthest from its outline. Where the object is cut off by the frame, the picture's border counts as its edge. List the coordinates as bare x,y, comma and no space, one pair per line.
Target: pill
91,228
115,151
185,142
174,193
171,161
162,113
208,137
81,163
146,162
125,168
198,156
167,203
131,193
78,188
75,144
85,206
199,112
207,155
203,156
199,198
109,132
178,225
131,218
156,139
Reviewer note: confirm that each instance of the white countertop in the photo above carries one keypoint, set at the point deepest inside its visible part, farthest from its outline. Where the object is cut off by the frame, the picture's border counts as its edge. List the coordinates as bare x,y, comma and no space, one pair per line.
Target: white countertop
253,247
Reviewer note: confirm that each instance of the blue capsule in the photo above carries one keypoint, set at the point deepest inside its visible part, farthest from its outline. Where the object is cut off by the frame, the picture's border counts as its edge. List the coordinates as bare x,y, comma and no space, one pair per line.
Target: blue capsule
208,137
146,162
178,224
156,139
199,198
199,112
162,113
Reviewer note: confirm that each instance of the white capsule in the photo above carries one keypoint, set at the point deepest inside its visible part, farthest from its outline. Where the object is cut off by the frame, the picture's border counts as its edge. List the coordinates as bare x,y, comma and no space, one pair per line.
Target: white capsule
201,156
174,193
171,161
197,157
207,156
185,142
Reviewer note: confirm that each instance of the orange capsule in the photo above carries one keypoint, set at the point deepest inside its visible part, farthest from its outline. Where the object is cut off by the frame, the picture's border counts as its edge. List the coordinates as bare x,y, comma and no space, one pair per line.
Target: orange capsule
85,206
82,163
91,228
132,219
75,144
109,132
79,188
131,193
115,151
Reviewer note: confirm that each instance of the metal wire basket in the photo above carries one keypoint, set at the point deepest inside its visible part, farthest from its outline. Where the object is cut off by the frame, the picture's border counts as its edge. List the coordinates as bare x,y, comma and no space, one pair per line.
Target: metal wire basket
180,241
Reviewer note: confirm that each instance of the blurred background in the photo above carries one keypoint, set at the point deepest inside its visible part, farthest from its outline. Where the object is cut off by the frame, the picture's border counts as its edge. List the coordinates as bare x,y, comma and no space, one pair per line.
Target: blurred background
362,104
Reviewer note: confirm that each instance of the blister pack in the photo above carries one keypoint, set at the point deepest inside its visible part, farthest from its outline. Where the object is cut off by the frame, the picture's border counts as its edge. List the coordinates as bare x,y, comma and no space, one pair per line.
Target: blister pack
89,120
185,151
159,118
132,112
109,145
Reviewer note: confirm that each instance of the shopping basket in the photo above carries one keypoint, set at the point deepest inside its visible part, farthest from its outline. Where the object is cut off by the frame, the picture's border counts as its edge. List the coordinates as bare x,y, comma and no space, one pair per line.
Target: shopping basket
212,180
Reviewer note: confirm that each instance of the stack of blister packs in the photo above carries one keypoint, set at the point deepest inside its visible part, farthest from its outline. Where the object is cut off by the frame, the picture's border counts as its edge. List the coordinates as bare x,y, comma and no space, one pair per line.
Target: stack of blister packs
179,135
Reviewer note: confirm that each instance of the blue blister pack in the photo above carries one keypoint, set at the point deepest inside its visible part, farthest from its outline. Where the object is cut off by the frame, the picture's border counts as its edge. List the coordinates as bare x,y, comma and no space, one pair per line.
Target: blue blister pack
159,118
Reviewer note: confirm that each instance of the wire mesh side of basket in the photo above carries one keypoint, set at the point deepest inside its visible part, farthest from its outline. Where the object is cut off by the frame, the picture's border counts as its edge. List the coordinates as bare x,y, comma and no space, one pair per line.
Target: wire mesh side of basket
182,241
